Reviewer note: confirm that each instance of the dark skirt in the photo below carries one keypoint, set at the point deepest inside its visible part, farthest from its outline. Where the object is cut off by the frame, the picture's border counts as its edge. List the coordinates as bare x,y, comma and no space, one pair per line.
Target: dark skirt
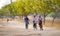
34,25
40,24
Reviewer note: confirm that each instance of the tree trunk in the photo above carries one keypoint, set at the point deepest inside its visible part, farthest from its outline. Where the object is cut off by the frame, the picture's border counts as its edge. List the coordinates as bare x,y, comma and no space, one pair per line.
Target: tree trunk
53,21
56,13
44,19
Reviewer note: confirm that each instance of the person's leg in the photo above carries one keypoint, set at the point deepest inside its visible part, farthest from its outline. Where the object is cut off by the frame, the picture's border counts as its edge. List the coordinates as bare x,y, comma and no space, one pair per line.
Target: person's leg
26,26
33,26
36,26
41,27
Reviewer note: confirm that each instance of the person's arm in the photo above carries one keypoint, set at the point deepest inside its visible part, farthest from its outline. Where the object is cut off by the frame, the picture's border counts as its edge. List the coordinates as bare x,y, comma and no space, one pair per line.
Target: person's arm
28,19
41,19
24,19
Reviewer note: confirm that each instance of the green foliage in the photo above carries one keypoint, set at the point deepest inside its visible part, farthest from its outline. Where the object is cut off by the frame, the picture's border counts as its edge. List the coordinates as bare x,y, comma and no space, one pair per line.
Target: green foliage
26,7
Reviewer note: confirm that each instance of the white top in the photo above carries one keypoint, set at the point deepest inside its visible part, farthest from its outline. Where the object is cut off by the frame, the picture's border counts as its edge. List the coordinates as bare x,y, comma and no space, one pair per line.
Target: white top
40,19
35,19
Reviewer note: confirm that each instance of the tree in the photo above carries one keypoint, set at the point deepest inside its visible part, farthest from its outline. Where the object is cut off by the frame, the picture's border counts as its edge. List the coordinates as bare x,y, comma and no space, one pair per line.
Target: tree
26,7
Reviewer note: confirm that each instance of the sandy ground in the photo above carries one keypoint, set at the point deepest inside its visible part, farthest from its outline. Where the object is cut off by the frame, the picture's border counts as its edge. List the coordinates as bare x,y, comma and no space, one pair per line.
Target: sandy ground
14,28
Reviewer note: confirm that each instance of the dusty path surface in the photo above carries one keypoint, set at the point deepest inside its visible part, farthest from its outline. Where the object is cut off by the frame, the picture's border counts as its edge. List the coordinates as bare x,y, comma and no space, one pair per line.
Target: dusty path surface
14,28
